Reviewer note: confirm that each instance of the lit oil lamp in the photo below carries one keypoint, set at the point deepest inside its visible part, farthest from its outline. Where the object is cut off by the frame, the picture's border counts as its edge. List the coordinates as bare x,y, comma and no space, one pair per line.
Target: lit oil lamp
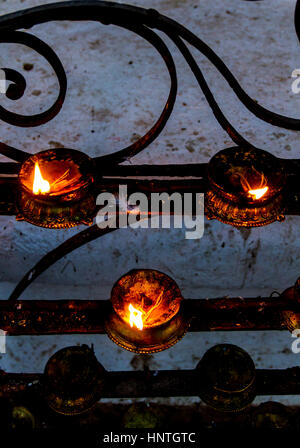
146,315
55,189
245,188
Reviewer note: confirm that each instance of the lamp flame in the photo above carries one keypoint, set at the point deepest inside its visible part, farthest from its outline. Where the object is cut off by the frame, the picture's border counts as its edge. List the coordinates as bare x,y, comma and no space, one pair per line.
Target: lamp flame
256,193
135,317
259,192
40,185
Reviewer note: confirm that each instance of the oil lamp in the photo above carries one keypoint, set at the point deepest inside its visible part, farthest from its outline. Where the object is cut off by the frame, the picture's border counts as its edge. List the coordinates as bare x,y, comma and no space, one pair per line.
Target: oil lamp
73,380
291,315
22,418
227,378
146,315
55,189
245,188
272,415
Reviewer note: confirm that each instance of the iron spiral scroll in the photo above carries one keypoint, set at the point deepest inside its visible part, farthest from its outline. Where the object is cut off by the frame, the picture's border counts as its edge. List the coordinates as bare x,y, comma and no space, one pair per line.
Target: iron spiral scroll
145,23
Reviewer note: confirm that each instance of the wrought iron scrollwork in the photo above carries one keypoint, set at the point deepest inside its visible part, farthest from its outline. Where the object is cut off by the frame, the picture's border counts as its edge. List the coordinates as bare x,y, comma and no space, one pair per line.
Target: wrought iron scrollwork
140,21
16,90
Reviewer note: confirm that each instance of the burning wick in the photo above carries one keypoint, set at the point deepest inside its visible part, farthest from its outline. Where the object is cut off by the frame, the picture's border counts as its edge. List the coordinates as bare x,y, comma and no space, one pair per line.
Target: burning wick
135,317
257,194
40,185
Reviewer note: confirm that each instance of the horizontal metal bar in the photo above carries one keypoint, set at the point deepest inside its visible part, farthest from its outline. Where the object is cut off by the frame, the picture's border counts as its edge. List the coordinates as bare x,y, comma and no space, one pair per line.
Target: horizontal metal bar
164,383
30,317
9,167
291,166
8,190
186,383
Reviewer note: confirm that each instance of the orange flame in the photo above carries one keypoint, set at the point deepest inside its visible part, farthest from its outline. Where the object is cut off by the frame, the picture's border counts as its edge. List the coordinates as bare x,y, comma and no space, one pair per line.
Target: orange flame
135,317
258,193
40,185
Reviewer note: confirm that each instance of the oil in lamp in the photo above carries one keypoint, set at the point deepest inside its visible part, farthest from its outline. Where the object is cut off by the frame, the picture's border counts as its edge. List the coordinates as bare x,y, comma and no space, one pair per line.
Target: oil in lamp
226,378
55,189
73,380
146,316
245,188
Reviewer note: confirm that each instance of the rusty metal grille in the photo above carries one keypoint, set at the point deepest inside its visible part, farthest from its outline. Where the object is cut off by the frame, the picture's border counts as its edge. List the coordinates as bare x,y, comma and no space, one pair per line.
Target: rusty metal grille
34,317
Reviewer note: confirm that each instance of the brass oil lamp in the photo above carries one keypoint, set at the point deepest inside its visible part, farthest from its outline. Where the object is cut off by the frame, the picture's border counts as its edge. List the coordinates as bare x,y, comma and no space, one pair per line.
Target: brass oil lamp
291,315
55,189
146,315
272,415
226,378
73,380
22,419
245,188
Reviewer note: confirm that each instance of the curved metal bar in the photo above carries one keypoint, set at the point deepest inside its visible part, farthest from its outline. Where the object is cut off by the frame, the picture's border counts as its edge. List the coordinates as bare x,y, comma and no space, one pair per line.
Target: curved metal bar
152,134
16,90
226,125
78,10
56,254
166,24
92,11
43,49
134,18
